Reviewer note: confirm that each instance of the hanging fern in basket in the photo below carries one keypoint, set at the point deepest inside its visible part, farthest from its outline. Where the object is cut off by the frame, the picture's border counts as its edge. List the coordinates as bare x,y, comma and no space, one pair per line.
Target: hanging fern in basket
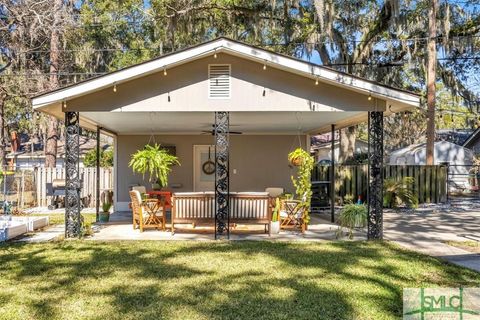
155,162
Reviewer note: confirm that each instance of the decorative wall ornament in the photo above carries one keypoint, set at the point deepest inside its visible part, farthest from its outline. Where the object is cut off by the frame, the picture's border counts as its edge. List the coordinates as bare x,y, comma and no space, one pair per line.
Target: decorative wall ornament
208,166
222,179
375,167
73,223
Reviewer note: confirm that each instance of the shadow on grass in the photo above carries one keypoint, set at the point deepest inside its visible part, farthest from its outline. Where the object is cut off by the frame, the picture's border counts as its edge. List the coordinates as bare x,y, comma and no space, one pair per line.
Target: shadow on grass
224,280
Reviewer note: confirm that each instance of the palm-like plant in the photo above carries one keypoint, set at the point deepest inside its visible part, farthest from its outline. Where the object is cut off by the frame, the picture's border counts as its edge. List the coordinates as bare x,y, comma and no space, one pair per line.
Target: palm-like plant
155,161
396,192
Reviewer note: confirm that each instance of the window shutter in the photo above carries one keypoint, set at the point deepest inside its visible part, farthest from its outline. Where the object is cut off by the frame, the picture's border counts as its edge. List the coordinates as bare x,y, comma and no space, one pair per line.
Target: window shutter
219,81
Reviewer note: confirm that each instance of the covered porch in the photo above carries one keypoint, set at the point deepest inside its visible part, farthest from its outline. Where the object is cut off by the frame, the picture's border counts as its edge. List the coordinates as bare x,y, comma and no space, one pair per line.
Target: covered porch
243,107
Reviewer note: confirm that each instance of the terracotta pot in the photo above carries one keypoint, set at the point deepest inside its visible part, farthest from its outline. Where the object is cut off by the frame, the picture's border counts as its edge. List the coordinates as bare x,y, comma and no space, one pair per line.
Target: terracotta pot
297,162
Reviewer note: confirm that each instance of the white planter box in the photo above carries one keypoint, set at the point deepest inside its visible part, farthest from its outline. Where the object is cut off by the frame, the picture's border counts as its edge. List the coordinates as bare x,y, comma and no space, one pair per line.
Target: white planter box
275,227
12,231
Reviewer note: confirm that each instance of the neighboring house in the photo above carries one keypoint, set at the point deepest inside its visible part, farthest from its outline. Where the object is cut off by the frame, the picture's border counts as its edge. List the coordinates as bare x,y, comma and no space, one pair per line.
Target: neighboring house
473,142
271,103
323,151
458,157
457,136
31,154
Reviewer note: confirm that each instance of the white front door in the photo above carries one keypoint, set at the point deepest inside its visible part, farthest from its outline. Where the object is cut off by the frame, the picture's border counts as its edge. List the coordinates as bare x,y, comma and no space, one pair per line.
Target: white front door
203,168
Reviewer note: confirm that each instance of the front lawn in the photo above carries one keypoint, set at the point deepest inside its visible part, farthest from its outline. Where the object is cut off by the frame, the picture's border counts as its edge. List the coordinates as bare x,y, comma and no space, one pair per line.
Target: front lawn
59,218
214,280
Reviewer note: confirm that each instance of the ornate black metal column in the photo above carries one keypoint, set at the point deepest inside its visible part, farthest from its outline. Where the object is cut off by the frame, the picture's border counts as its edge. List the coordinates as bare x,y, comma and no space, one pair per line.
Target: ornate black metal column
222,178
97,177
72,175
375,172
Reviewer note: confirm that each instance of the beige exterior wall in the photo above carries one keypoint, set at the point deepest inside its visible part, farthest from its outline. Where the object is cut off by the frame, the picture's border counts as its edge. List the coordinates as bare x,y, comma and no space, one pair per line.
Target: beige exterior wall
260,161
187,86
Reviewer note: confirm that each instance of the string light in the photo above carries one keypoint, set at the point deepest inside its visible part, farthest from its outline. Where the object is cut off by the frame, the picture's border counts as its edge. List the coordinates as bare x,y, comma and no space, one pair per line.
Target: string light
169,97
263,94
115,87
316,81
164,71
215,54
64,104
265,65
370,97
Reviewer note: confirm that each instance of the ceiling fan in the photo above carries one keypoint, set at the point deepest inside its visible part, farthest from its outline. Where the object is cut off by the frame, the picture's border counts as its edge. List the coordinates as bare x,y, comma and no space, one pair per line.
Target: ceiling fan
212,132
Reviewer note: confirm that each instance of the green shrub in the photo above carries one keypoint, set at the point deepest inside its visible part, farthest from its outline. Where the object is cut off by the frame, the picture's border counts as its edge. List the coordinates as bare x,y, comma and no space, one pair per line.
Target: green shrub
397,192
352,216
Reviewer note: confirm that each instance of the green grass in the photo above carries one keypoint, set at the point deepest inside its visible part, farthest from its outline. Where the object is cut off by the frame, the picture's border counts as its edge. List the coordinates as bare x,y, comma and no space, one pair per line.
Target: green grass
59,218
215,280
472,246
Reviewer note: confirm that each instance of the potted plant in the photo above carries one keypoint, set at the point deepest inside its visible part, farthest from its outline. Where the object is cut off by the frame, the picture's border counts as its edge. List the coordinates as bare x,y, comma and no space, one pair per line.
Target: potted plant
105,215
303,181
351,217
155,161
275,223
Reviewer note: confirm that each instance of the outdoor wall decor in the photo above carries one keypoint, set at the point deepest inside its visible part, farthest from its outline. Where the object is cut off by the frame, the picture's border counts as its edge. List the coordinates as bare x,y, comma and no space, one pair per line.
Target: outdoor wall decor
208,166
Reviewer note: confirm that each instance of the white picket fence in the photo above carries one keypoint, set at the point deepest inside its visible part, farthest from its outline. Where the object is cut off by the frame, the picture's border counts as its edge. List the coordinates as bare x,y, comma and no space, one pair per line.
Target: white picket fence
47,175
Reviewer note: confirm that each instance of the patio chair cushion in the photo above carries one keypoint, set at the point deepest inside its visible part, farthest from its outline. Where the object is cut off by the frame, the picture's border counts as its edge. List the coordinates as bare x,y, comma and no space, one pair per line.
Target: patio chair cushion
274,192
140,189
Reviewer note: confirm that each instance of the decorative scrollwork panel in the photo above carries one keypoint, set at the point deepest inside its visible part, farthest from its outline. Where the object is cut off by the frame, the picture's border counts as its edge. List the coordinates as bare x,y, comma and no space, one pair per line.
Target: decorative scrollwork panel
72,175
375,162
222,179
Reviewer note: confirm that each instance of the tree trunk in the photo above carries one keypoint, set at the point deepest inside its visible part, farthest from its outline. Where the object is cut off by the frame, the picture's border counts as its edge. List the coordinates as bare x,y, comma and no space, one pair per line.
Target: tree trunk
2,131
431,78
347,144
52,131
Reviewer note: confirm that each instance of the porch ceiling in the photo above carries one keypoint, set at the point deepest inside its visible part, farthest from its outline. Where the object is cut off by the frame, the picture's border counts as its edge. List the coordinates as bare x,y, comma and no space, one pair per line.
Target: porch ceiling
196,122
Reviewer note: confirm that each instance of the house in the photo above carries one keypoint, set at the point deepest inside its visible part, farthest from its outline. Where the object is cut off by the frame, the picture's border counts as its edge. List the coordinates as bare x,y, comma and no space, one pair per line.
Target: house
322,151
472,142
31,154
457,136
242,106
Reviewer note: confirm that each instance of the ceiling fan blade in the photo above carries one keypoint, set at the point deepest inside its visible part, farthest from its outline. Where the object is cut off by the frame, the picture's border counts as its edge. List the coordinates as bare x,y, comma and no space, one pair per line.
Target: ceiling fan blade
236,132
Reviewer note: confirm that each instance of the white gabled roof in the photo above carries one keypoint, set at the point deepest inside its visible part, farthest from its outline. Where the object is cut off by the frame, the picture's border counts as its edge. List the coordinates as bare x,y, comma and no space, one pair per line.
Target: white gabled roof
236,48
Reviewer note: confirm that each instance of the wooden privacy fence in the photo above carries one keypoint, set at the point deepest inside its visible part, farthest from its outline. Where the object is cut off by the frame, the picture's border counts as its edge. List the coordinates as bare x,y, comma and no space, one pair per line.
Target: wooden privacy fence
47,175
351,180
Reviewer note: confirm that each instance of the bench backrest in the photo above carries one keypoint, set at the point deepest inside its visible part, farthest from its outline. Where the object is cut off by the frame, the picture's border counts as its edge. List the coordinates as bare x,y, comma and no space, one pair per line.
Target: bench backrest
201,206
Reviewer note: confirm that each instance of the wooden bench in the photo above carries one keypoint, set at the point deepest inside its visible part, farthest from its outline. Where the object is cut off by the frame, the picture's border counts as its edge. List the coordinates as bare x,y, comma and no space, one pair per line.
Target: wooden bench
199,208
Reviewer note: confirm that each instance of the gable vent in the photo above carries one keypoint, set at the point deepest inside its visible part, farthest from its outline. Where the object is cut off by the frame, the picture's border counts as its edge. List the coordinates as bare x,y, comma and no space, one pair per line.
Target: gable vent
219,81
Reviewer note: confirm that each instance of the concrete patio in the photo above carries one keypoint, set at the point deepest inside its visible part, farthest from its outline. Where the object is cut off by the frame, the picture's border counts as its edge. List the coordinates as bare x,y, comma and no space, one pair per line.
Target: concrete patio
120,228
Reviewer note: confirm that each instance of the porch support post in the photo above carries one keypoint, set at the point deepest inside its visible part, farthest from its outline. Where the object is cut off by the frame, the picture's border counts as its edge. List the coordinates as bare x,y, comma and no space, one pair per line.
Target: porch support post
375,172
73,222
222,178
332,176
97,176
